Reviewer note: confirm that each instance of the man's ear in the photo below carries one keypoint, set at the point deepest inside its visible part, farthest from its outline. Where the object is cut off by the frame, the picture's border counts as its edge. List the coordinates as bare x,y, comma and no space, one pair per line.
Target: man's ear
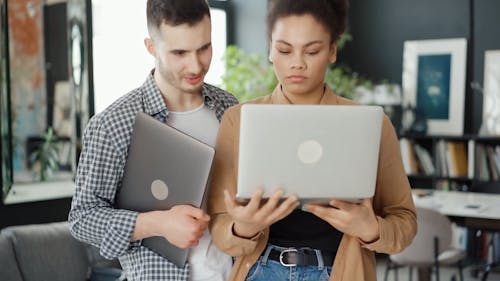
332,58
150,46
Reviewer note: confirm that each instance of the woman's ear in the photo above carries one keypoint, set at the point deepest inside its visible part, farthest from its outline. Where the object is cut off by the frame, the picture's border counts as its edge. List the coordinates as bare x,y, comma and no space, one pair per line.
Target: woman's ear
148,42
332,58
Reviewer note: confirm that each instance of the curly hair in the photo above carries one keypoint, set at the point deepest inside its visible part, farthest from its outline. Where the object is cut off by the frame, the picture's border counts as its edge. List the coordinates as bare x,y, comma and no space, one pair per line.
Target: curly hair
332,14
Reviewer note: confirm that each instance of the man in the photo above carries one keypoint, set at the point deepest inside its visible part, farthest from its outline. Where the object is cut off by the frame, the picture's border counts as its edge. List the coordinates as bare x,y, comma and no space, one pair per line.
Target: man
174,92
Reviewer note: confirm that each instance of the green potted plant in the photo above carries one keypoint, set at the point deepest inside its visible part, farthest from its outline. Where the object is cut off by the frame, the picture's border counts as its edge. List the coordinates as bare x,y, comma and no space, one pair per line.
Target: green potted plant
247,76
46,155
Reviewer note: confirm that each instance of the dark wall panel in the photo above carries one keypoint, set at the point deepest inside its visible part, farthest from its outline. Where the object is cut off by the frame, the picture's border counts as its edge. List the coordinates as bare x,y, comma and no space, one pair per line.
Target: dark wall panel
380,27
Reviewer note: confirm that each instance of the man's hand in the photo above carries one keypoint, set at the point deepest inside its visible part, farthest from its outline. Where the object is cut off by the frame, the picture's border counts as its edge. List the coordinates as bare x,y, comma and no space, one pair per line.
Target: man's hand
182,225
355,219
251,218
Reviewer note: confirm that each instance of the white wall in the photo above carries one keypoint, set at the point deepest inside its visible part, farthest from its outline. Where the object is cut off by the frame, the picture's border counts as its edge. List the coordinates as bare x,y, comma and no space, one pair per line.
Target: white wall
121,61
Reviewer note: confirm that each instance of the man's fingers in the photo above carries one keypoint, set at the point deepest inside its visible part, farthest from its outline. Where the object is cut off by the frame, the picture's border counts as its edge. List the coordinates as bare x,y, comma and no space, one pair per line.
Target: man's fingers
197,213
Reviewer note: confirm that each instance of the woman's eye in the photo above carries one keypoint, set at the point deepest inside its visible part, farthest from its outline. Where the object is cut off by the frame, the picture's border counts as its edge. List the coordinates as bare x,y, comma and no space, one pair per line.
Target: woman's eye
283,51
312,53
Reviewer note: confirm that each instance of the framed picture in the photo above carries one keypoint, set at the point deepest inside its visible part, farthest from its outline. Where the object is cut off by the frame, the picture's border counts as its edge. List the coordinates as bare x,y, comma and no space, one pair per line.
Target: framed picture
434,83
491,98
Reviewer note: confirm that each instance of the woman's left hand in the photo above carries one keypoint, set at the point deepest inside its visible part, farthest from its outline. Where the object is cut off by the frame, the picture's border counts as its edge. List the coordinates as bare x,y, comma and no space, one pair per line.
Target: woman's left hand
355,219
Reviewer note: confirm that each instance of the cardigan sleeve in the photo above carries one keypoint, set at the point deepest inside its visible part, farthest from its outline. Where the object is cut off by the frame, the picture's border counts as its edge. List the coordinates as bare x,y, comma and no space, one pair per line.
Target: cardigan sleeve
393,202
223,176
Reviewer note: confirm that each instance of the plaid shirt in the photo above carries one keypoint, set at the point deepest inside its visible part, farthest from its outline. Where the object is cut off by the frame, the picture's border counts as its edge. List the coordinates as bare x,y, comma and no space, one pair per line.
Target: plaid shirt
92,218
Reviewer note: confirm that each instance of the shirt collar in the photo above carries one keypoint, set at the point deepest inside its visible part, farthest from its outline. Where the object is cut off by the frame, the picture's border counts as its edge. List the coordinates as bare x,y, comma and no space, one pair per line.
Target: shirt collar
153,98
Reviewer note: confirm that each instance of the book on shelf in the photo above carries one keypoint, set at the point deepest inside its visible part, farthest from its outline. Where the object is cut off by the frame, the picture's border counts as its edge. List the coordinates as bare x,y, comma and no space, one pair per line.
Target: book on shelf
441,158
425,159
488,162
492,165
470,159
459,236
408,155
457,155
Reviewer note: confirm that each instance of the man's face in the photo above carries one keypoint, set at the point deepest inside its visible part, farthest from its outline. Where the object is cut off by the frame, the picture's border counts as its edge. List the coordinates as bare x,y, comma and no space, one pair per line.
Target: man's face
182,55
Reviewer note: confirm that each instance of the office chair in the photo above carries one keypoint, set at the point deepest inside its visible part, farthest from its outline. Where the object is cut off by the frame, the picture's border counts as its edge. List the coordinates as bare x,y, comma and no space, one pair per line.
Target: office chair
431,247
494,265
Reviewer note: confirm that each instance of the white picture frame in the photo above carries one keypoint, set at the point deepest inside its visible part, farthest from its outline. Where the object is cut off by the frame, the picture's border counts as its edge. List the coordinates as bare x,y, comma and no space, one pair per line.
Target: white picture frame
433,82
491,91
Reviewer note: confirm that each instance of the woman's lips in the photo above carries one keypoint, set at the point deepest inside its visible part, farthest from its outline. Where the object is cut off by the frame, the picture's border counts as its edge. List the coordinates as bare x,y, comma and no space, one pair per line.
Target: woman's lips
296,78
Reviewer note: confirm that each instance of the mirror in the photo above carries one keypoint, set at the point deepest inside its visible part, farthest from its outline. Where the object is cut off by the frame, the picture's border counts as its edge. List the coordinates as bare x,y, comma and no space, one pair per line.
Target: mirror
45,103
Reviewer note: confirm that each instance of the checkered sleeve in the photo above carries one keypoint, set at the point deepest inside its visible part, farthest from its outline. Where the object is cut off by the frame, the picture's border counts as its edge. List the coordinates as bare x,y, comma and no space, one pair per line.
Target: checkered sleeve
92,217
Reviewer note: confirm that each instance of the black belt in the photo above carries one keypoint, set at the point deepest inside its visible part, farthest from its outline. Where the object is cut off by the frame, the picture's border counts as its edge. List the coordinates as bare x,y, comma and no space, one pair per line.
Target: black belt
302,257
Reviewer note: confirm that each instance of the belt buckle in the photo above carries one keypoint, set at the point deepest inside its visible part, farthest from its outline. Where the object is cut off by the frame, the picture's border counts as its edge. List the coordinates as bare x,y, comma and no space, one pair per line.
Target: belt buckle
287,251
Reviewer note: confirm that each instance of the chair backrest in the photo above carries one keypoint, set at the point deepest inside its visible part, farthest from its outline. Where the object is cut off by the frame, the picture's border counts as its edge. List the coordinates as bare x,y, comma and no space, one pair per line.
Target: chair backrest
48,252
8,265
431,225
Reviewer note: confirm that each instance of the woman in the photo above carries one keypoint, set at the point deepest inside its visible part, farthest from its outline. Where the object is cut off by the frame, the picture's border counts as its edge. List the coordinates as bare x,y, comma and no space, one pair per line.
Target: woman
277,241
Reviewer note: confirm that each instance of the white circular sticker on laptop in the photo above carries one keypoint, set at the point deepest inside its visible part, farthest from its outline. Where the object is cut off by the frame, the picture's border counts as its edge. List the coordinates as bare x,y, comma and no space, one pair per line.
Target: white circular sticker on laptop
310,152
159,189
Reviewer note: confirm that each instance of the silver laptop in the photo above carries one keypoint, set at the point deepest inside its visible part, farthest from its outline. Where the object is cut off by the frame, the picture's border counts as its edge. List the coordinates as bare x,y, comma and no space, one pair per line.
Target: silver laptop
164,168
319,152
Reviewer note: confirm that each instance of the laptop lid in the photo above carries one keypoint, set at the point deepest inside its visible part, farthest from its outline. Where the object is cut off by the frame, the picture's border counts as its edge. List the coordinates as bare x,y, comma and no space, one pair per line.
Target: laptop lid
319,152
164,168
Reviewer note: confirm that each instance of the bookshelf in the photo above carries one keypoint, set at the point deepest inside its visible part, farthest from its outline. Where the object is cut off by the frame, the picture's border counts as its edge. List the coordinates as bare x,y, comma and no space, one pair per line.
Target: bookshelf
450,162
461,163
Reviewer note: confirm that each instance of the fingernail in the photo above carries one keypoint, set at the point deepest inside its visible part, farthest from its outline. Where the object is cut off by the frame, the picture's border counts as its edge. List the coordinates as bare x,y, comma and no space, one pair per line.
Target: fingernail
304,208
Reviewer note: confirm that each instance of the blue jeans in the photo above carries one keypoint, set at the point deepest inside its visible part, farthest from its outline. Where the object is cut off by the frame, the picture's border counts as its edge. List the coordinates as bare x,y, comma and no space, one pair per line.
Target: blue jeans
265,269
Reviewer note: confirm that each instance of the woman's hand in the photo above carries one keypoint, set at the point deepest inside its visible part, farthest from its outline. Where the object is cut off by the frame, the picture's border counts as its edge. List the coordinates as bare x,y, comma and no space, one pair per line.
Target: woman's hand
355,219
253,217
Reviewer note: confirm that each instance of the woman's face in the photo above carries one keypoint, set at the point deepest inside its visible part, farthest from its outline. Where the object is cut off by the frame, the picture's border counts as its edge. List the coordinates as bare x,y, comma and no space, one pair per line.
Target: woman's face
301,51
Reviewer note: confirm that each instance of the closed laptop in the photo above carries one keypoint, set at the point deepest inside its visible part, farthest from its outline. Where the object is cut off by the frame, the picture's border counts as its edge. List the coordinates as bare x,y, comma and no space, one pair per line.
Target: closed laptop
164,168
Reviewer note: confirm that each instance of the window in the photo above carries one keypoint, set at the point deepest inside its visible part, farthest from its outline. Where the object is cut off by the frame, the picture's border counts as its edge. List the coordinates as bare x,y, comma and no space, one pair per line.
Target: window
121,62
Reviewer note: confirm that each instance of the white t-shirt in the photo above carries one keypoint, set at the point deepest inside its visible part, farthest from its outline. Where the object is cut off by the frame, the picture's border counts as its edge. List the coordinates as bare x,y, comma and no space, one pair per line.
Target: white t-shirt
207,262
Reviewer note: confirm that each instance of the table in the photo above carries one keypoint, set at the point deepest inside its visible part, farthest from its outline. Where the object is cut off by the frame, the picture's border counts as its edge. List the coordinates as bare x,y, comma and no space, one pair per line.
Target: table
469,209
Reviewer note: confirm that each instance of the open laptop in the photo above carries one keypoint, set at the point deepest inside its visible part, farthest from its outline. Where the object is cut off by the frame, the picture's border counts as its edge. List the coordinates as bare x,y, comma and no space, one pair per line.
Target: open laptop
319,152
164,168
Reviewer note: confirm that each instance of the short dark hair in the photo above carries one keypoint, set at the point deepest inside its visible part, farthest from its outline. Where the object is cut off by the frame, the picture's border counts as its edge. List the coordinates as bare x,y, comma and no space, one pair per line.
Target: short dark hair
332,14
175,12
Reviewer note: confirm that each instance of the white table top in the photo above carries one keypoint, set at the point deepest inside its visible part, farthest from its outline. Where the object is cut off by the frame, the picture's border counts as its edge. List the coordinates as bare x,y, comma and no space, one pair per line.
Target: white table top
460,204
